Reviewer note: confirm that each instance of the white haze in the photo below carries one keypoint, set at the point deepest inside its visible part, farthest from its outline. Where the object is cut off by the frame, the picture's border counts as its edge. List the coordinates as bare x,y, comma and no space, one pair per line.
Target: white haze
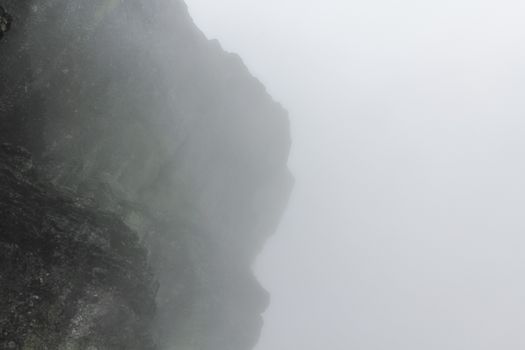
406,227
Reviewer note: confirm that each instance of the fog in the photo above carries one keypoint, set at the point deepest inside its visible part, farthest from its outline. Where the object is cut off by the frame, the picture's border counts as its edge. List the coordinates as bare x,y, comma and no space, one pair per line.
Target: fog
405,227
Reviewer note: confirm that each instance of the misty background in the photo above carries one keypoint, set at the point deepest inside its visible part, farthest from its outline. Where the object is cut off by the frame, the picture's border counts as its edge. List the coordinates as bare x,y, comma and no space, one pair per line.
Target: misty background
405,228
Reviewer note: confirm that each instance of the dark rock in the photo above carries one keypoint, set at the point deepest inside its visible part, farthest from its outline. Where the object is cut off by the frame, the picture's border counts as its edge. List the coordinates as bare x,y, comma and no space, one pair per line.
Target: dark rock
19,158
71,277
5,22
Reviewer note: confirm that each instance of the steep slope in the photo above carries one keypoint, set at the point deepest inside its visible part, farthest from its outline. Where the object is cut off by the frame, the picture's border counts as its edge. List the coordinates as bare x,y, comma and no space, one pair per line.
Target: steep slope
127,105
71,276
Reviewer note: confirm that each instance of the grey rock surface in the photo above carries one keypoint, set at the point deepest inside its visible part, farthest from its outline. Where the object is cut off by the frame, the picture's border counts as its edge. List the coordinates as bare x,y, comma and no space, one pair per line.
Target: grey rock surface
127,106
71,277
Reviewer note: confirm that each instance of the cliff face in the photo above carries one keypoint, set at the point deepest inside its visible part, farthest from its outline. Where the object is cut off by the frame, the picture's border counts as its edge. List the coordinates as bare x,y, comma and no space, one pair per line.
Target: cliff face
126,106
71,275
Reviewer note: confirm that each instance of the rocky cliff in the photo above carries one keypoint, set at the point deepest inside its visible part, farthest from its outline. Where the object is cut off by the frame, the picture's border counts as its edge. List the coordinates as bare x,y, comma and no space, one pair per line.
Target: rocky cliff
156,136
72,276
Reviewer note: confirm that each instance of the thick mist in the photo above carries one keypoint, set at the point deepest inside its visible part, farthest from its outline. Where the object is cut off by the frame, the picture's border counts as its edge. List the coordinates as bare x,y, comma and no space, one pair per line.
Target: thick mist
405,228
137,183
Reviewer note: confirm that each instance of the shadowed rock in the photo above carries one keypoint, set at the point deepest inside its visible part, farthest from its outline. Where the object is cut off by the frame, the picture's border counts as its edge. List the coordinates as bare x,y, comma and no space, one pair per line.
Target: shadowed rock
5,22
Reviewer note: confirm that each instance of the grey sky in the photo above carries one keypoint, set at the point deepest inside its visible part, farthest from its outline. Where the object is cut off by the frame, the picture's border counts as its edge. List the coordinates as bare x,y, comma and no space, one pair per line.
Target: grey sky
405,230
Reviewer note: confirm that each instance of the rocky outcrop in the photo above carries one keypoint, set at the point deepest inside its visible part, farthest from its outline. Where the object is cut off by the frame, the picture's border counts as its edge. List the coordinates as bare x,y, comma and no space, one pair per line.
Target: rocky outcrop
72,277
128,107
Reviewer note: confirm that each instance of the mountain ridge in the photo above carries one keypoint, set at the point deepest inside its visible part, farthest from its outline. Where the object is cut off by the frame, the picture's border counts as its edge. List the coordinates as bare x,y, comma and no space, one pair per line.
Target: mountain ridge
128,107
